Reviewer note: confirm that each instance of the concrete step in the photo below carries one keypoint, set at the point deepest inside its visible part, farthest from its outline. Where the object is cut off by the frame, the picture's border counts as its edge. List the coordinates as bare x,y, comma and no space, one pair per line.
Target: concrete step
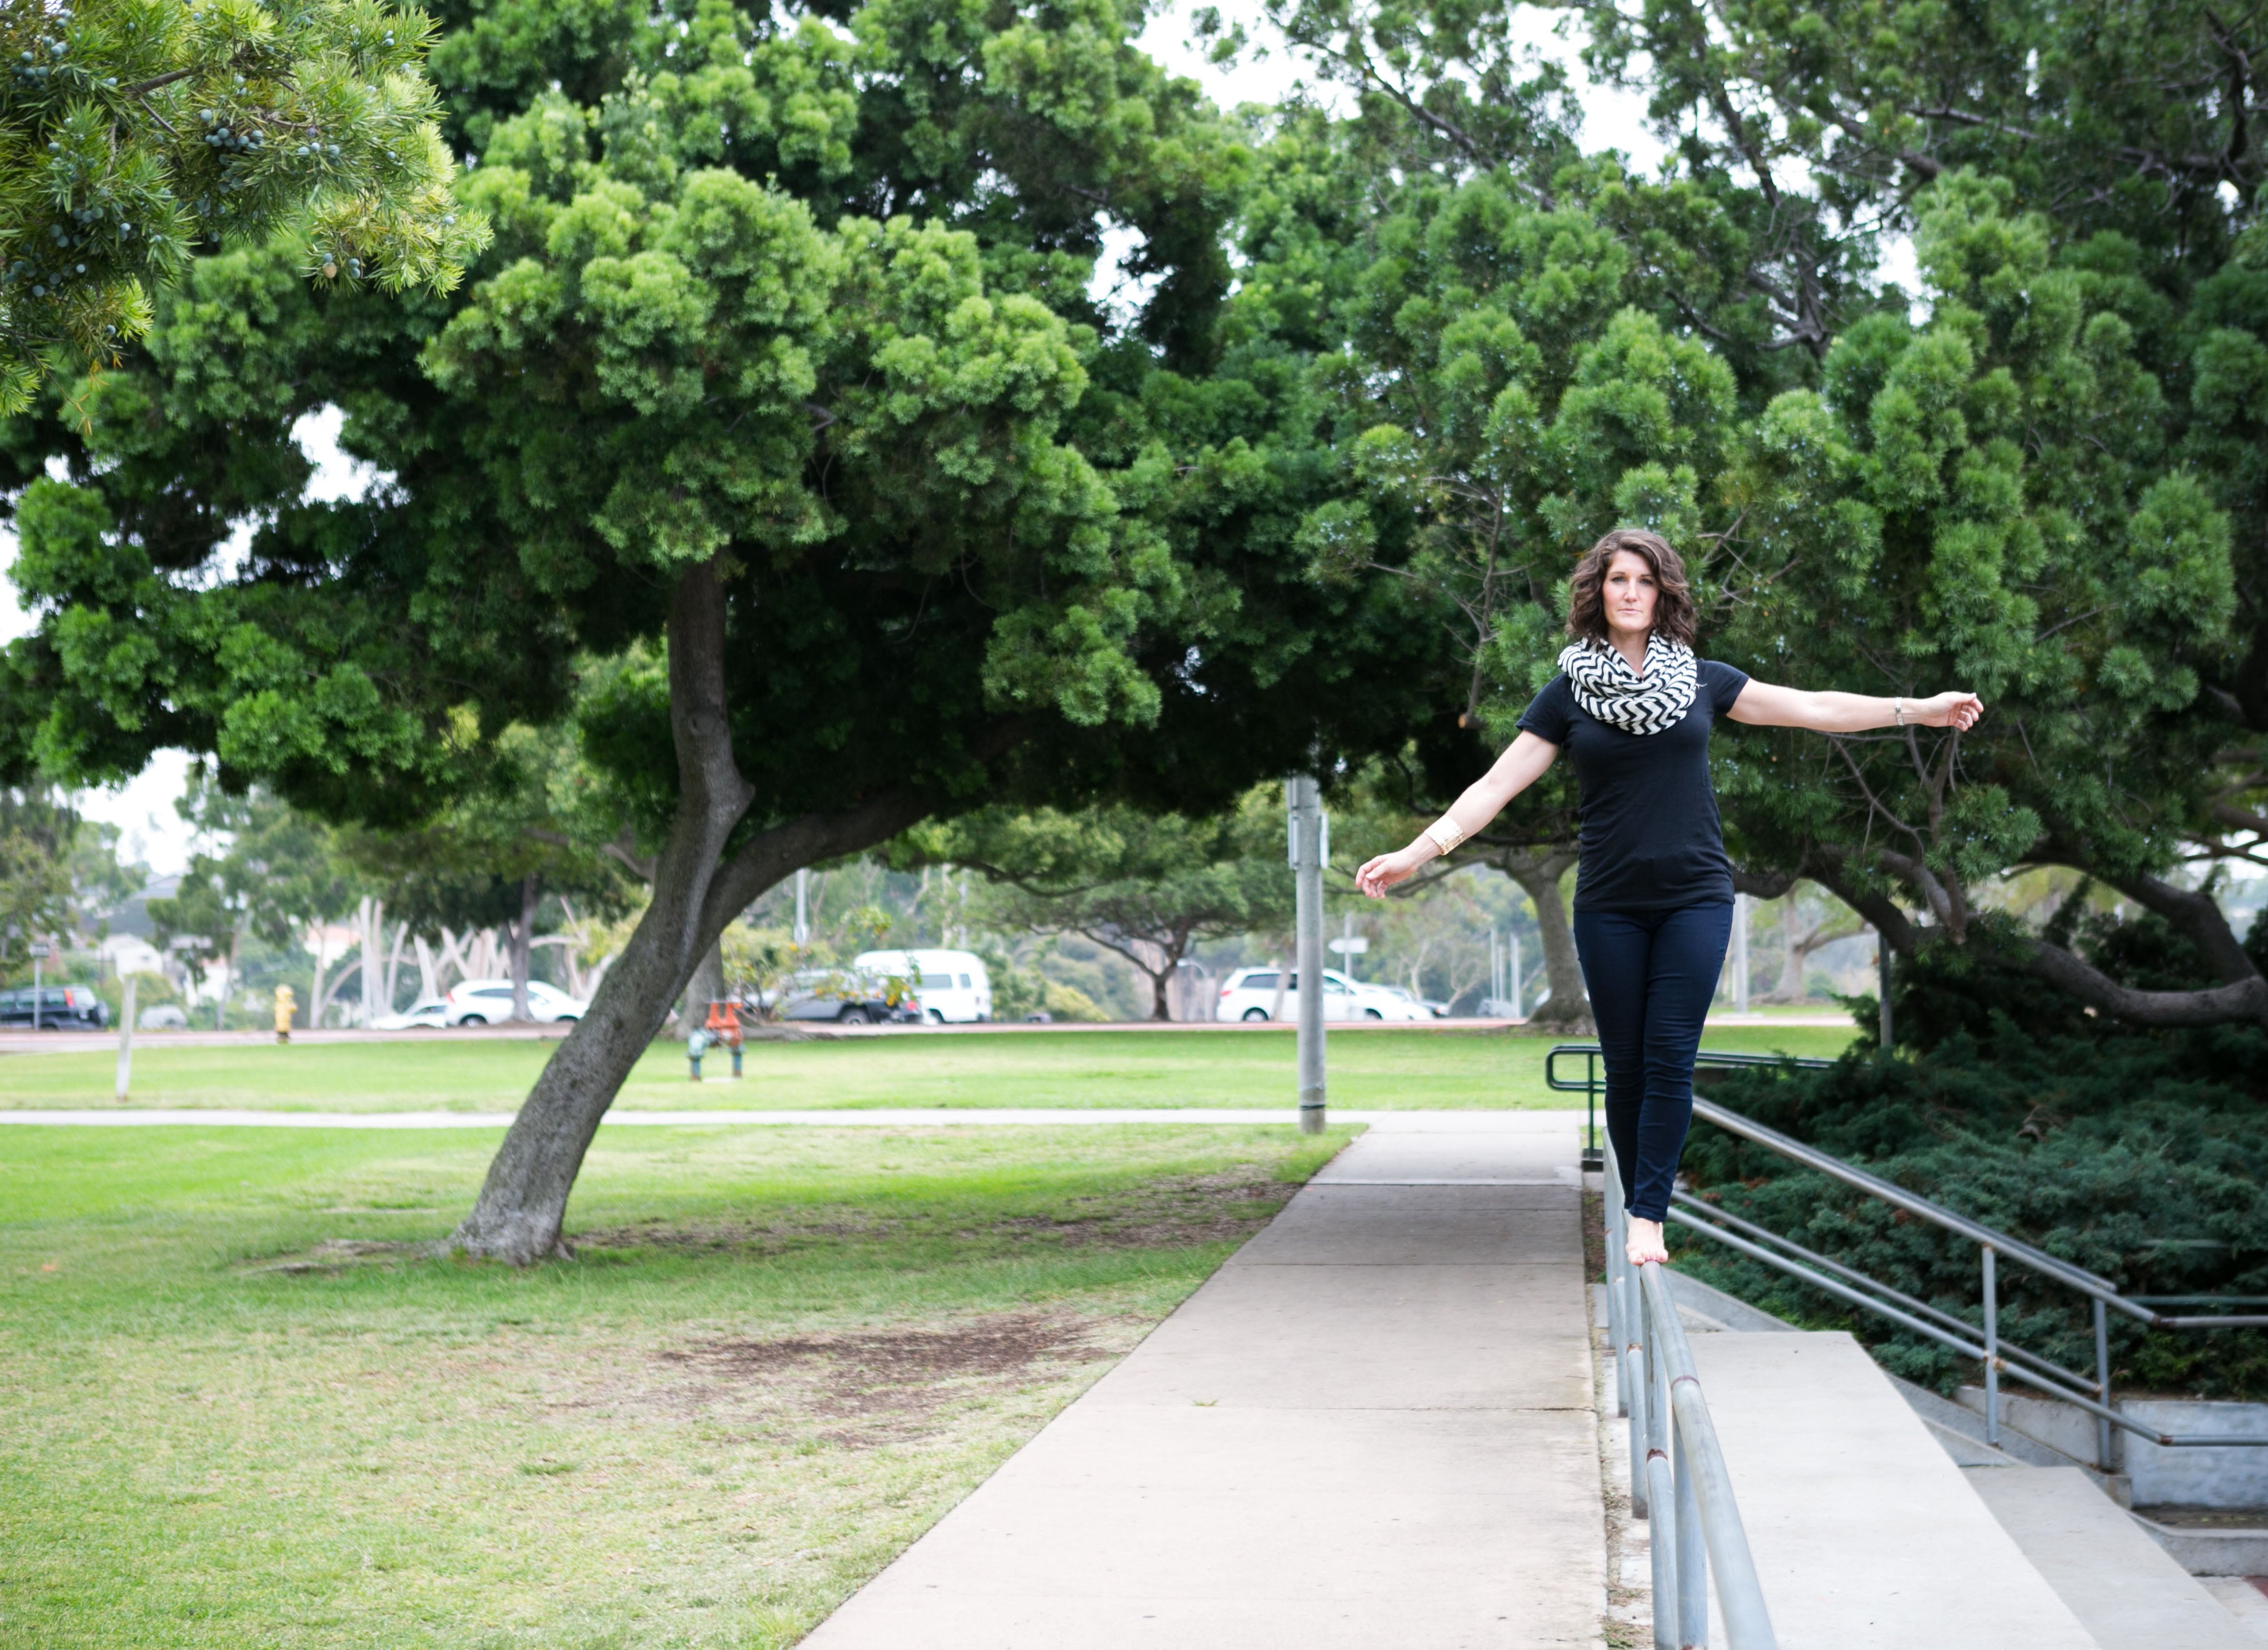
2122,1586
1961,1429
1866,1535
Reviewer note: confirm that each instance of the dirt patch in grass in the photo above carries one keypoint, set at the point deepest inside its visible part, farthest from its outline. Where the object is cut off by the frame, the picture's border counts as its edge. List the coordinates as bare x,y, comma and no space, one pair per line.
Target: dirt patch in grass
869,1387
335,1255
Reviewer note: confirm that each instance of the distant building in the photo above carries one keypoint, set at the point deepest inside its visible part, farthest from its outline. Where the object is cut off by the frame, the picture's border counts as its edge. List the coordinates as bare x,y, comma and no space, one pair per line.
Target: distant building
131,953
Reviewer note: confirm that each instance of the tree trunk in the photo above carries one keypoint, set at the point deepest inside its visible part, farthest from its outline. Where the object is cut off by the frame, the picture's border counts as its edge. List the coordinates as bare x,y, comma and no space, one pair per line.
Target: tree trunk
706,986
1798,942
1162,994
1792,954
522,1206
315,995
523,942
393,965
523,1202
1539,875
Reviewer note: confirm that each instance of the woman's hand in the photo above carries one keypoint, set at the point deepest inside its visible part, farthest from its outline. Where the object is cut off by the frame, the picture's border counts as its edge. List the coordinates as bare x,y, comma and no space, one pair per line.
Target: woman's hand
1381,874
1958,711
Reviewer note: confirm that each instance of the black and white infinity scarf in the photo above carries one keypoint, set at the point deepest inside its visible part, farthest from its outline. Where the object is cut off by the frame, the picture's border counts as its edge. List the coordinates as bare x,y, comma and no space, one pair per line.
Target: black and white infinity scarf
1610,689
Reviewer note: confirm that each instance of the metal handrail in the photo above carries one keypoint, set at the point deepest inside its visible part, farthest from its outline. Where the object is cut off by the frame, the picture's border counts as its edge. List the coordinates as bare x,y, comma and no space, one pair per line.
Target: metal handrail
1679,1482
1857,1288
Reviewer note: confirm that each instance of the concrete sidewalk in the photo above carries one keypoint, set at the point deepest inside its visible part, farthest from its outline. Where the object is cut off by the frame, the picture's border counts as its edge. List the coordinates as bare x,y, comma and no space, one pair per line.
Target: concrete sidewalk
1371,1427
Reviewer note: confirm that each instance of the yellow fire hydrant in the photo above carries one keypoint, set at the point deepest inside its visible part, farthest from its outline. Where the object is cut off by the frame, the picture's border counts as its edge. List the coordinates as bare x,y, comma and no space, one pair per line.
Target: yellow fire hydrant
286,1001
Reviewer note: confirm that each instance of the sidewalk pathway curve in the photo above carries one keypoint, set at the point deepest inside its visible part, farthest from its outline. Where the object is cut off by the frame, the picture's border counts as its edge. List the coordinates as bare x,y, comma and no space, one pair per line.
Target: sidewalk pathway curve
1371,1427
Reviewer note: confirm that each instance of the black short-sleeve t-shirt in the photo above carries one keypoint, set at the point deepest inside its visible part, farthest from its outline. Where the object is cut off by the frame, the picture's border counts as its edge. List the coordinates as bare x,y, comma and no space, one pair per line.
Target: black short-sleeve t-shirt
1650,837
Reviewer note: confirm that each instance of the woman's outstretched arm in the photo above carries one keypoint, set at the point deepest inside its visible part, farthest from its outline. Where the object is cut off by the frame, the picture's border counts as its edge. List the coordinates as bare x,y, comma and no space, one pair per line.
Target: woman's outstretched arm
1522,764
1764,705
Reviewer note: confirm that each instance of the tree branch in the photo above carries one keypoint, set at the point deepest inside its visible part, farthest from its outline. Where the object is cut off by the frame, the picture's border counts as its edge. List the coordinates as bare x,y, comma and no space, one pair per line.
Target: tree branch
2216,1005
2194,915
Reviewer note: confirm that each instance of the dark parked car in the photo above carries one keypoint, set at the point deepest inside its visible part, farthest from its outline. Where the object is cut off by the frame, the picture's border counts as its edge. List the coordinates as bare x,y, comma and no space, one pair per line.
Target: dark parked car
849,997
62,1008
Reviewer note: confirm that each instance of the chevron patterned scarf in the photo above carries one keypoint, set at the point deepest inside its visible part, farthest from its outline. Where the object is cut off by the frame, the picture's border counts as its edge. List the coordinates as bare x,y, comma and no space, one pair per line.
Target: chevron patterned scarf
1610,689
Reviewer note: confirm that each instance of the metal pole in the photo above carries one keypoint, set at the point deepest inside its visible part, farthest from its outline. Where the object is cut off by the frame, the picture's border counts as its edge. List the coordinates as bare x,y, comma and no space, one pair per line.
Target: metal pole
125,1040
1517,1013
1740,954
1992,1352
1618,1302
1882,973
1634,1358
802,920
1692,1549
1304,798
1665,1539
2101,1387
38,952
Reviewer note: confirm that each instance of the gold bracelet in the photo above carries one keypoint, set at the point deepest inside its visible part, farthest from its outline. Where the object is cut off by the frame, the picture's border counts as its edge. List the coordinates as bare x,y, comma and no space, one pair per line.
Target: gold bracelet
1447,834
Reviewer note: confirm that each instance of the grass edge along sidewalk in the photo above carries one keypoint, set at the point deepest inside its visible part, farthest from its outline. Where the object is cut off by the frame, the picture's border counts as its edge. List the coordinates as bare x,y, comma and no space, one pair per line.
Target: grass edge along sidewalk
1165,1069
244,1410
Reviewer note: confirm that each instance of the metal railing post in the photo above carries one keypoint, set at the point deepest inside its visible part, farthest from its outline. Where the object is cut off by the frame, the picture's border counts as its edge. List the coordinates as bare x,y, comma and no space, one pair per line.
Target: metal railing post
1692,1549
1618,1302
1678,1480
1992,1352
1633,1357
1748,1623
1660,1495
2101,1385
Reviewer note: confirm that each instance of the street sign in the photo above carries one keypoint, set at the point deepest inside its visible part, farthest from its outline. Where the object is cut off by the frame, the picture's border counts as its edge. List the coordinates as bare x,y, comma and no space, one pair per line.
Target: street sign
41,948
1350,947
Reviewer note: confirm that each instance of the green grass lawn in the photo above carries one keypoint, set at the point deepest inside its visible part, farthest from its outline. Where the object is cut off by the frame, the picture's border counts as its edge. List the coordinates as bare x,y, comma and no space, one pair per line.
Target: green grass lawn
243,1410
1082,1069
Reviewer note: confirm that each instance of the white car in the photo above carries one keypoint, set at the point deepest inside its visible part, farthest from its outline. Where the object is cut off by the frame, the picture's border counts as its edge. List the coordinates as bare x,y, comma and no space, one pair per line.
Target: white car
428,1014
1393,1002
949,985
1250,994
480,1002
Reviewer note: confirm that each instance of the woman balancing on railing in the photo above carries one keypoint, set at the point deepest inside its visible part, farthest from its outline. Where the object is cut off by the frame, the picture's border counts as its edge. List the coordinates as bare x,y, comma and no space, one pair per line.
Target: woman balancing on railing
1654,894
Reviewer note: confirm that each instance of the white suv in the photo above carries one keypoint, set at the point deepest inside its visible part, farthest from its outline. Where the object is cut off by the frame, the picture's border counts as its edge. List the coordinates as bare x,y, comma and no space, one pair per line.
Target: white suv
1250,994
480,1002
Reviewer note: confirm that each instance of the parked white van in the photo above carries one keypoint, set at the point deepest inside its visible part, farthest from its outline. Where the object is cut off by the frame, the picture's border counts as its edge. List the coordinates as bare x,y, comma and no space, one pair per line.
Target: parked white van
949,985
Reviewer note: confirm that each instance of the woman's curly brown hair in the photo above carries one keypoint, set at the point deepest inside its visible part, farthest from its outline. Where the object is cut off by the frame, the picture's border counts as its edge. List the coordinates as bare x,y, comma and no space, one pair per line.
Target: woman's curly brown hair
1673,604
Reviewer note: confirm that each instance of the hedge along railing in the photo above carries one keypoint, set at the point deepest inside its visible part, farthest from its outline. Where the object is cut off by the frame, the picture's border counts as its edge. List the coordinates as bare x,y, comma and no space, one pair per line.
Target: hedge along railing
1848,1284
1678,1480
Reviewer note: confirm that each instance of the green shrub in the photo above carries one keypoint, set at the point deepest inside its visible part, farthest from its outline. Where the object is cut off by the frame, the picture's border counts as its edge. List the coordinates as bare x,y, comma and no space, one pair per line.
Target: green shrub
2141,1156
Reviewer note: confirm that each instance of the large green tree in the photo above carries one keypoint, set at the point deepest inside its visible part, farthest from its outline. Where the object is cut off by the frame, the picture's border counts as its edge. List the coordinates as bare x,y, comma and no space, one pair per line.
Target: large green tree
2045,485
781,382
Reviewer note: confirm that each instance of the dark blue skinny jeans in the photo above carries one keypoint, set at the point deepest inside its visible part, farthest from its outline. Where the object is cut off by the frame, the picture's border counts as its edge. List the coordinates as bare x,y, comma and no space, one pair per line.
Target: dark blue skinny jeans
1651,975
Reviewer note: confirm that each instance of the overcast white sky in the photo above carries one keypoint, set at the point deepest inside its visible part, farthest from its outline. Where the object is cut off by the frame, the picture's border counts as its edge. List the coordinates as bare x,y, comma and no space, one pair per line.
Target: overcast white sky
144,809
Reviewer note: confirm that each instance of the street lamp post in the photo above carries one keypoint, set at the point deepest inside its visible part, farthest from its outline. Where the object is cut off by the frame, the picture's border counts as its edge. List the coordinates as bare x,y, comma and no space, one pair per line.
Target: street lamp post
39,949
1309,840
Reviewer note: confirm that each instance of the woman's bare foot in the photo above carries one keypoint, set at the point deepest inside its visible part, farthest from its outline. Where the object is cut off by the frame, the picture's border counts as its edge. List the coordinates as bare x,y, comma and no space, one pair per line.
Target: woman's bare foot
1645,1242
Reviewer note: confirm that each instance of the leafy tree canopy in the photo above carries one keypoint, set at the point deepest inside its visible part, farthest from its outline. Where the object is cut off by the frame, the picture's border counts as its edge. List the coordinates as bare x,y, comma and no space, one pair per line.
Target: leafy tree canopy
132,132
